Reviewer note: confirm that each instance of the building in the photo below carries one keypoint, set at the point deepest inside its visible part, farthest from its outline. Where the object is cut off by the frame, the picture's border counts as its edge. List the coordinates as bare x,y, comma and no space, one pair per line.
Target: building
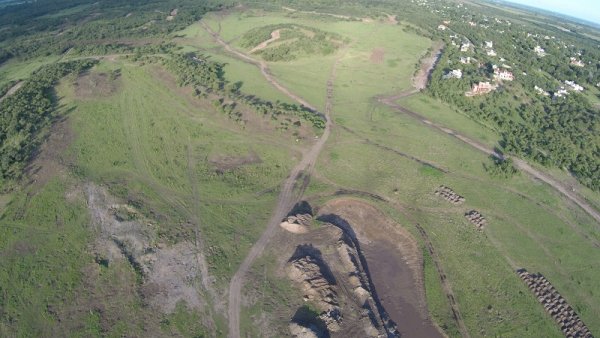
465,47
574,86
465,60
560,92
489,44
576,62
442,27
480,88
454,74
491,52
539,51
502,74
541,91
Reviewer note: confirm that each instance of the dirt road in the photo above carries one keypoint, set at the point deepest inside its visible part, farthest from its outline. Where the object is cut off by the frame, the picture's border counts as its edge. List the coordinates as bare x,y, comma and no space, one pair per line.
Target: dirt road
519,163
420,82
287,197
12,90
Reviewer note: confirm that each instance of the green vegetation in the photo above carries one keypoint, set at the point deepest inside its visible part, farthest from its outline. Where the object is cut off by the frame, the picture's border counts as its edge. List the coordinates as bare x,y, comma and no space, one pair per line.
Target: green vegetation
294,41
43,242
502,168
207,77
196,142
25,114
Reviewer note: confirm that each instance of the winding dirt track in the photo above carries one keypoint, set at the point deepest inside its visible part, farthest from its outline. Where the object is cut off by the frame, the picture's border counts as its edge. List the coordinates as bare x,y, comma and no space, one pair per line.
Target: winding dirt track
287,197
420,82
519,163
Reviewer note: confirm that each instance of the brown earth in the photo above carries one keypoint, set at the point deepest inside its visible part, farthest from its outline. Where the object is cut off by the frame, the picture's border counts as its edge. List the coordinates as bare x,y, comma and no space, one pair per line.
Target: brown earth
50,160
394,262
92,85
377,55
223,163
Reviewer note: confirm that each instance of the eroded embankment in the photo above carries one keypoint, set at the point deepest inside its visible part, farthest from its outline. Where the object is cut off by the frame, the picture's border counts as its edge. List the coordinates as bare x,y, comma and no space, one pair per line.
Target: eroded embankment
391,260
361,271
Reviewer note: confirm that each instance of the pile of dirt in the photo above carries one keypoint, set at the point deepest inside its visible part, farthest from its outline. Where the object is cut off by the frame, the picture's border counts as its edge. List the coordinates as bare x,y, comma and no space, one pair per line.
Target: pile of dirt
337,285
449,195
223,163
93,85
377,55
476,218
297,224
308,269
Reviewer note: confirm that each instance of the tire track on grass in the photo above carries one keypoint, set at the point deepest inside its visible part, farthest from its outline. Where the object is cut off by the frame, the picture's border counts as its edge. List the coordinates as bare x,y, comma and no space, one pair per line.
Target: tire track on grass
289,194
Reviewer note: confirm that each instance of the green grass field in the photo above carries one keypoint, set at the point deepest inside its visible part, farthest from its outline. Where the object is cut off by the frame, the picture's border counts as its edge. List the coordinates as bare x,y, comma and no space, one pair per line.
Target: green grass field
530,225
155,144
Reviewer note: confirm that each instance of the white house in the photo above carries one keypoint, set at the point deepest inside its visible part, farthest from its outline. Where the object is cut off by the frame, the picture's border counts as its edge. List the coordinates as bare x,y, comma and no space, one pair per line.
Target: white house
489,44
539,51
574,86
576,62
501,74
454,74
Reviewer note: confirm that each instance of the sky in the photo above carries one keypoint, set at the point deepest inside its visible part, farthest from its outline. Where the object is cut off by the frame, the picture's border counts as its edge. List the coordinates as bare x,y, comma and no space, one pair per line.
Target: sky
584,9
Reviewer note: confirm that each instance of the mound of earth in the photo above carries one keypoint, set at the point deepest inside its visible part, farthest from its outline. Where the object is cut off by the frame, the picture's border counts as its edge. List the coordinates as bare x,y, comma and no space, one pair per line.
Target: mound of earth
298,224
335,284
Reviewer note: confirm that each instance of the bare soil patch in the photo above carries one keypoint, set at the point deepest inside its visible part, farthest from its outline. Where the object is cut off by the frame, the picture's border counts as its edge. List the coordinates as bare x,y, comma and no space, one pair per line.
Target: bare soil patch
377,55
394,263
92,85
223,163
50,160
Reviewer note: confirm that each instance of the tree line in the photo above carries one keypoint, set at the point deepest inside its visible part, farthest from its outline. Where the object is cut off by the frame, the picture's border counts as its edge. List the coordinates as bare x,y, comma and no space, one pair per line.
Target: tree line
27,113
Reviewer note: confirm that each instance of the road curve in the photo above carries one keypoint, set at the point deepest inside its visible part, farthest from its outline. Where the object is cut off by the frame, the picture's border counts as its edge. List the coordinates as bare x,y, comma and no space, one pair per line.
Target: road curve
287,197
519,163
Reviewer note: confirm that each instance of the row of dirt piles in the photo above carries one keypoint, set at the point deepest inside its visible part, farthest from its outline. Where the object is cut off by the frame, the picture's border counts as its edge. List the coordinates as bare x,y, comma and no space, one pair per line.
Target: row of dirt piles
564,315
168,273
449,195
476,218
